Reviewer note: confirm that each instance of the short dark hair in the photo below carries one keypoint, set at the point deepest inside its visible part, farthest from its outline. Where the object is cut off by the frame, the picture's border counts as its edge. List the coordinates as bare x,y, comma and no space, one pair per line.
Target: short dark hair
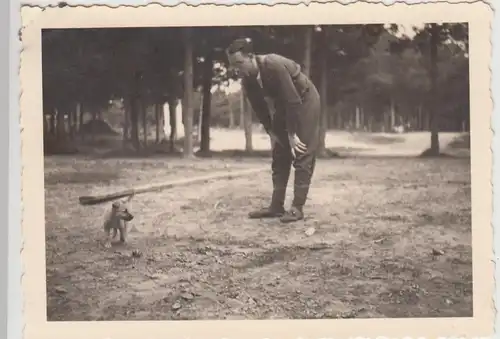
243,45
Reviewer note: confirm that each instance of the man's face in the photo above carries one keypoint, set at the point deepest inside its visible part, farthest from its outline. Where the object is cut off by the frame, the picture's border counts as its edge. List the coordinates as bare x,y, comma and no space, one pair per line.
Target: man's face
244,64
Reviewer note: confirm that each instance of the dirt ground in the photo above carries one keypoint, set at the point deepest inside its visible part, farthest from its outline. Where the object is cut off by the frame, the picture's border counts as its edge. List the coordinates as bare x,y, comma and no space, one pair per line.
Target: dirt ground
377,223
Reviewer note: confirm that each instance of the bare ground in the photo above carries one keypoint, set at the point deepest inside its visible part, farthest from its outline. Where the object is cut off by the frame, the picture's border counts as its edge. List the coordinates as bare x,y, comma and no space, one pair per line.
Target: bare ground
377,223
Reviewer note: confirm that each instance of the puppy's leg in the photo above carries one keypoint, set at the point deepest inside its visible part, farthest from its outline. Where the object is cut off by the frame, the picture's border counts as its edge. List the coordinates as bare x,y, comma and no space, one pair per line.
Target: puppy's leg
123,232
107,242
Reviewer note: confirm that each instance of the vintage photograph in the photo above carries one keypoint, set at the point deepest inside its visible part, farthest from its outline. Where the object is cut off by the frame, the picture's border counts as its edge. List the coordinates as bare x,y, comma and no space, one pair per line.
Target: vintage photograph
373,120
260,171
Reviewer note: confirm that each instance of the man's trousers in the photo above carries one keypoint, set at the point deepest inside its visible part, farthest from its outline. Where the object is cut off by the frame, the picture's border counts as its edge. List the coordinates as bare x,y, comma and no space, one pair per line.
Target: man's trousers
304,163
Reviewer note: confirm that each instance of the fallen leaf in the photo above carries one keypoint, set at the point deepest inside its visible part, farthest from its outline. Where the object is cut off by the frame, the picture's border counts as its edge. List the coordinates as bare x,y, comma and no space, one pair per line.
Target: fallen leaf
437,252
61,290
310,231
187,296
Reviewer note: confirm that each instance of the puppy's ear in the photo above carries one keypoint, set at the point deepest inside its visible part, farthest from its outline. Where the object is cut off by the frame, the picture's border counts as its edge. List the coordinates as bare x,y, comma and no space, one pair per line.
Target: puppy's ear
116,204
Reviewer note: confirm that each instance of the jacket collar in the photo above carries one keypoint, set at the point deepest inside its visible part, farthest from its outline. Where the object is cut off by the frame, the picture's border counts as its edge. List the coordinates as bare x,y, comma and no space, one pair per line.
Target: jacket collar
260,61
260,65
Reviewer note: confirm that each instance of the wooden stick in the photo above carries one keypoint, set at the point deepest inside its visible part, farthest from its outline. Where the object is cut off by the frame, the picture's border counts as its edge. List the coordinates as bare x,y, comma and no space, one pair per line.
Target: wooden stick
99,199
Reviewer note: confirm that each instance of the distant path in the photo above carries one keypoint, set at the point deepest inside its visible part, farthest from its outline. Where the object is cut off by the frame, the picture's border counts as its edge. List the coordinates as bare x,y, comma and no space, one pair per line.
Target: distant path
369,144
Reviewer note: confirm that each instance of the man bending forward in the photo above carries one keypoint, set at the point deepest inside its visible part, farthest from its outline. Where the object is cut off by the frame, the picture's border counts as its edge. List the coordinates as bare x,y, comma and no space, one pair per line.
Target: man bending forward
294,127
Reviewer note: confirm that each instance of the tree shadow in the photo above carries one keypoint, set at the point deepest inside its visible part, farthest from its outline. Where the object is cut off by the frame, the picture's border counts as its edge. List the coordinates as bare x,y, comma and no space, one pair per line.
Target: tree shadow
93,177
257,154
430,153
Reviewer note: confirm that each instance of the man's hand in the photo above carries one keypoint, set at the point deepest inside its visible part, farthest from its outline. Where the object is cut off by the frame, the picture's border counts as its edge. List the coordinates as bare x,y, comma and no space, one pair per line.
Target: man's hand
296,145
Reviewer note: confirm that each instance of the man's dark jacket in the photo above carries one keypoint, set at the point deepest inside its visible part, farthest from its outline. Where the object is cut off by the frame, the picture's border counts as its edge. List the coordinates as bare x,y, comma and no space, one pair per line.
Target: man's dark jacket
283,81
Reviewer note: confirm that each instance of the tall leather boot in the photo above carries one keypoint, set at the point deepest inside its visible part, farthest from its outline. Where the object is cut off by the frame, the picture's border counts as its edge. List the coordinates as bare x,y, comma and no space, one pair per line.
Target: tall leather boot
281,167
304,169
275,210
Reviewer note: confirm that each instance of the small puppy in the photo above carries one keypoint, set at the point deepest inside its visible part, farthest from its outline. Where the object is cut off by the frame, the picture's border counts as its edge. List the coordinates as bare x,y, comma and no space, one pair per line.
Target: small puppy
116,220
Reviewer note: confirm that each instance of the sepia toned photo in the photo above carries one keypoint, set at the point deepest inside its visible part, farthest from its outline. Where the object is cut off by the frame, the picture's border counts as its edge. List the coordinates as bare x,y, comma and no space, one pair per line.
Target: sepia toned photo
324,163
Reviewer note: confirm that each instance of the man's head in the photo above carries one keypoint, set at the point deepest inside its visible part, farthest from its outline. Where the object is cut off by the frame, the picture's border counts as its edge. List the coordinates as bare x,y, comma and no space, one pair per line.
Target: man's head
120,209
241,57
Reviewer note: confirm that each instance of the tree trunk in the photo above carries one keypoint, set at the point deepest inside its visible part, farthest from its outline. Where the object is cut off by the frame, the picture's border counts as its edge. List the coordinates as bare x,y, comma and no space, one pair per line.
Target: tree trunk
420,122
242,110
339,120
134,111
308,37
126,120
323,88
75,123
362,118
392,116
61,131
358,118
80,110
332,119
53,123
434,119
324,107
207,104
165,118
200,118
187,103
247,122
230,112
134,123
71,122
144,114
78,119
384,121
159,121
136,104
172,105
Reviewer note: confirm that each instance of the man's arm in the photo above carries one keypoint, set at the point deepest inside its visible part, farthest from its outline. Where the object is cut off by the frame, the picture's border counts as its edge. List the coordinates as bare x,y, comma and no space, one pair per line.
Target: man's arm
258,103
290,96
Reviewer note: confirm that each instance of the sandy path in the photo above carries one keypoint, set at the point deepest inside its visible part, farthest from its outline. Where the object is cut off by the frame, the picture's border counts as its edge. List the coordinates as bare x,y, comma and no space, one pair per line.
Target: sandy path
409,144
